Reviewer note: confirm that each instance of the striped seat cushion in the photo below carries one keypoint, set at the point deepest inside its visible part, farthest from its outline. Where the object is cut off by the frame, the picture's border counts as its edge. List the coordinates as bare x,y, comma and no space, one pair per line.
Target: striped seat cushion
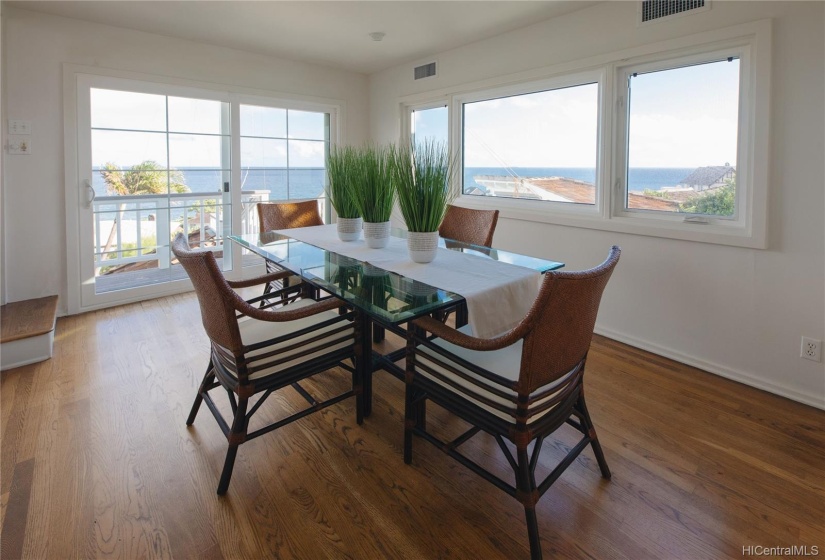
330,338
505,362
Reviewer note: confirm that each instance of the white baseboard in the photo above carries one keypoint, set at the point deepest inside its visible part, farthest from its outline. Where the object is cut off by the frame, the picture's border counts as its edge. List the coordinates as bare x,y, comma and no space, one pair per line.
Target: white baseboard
26,351
816,401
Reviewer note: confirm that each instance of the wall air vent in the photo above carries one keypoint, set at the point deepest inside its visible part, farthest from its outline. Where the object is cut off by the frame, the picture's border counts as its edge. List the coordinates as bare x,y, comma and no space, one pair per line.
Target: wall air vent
424,71
652,10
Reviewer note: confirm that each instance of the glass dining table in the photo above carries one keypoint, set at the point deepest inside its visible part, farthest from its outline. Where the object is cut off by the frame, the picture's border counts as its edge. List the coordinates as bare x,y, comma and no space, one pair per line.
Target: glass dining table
385,299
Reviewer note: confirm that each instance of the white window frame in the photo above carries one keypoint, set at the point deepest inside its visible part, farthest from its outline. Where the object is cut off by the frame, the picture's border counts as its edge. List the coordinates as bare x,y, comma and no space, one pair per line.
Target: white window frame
407,109
76,192
289,105
752,42
516,206
738,226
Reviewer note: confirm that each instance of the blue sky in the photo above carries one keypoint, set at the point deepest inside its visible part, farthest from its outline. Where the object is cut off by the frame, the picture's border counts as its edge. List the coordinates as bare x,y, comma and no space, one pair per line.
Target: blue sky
140,121
685,117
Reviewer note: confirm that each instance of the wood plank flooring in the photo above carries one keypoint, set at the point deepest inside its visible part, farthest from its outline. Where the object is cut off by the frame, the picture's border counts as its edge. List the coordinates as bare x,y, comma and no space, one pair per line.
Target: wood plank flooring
98,463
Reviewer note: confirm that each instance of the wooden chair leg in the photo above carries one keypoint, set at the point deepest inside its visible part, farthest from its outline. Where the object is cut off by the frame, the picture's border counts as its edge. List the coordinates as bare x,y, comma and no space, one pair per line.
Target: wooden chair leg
421,414
594,443
237,435
267,289
208,378
528,494
533,532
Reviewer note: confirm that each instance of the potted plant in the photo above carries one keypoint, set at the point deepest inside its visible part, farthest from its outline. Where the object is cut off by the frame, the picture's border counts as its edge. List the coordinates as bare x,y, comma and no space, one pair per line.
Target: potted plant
422,181
374,194
342,164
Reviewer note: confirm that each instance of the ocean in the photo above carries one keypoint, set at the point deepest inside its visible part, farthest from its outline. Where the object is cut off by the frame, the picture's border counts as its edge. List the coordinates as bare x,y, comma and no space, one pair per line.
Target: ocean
281,183
639,178
309,182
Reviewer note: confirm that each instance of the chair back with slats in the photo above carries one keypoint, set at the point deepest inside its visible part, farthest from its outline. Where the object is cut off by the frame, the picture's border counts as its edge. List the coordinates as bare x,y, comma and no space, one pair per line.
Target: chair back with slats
287,215
272,359
214,294
469,226
561,323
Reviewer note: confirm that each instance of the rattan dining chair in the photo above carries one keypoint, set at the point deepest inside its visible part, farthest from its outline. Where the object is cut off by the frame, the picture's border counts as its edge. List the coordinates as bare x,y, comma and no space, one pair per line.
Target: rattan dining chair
287,215
256,350
521,386
469,226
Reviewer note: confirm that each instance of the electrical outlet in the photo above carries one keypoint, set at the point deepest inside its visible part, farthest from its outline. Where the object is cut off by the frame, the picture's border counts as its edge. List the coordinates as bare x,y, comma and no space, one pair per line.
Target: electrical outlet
20,145
811,349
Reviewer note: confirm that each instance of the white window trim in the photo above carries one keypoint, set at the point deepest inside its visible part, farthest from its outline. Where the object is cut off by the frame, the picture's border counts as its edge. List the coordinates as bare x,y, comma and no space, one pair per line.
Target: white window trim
515,205
290,105
407,109
736,228
407,106
755,36
165,85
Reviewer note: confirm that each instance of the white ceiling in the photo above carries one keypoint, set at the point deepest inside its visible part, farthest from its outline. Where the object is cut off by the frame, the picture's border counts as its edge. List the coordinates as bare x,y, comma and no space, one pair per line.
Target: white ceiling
332,33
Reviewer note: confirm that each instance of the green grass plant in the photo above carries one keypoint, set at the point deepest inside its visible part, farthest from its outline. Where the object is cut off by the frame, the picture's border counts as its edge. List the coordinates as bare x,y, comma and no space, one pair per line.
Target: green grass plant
342,167
373,191
422,179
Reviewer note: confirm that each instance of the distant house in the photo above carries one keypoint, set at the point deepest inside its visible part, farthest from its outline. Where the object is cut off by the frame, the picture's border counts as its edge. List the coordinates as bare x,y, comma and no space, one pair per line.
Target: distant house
710,177
563,189
475,191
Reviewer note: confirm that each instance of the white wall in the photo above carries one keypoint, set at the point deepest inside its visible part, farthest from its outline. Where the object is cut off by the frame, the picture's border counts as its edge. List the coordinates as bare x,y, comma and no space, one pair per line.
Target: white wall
2,162
36,45
737,312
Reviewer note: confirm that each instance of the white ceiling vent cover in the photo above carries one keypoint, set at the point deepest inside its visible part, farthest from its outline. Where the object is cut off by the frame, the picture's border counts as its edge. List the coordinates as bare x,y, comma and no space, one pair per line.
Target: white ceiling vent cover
424,71
653,10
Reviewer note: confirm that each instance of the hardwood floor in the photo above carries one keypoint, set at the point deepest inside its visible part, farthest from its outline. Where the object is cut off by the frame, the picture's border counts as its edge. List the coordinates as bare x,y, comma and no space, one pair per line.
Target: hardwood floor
97,463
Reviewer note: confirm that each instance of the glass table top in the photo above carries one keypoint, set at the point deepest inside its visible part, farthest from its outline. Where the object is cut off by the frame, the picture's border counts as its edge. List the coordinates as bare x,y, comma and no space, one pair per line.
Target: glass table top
388,296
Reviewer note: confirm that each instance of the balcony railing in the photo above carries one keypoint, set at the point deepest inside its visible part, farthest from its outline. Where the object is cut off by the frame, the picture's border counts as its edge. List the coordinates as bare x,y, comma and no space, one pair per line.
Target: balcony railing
126,225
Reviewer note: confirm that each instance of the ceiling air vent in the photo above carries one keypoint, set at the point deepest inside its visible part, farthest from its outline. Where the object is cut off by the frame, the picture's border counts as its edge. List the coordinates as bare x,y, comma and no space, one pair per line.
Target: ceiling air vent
651,10
424,71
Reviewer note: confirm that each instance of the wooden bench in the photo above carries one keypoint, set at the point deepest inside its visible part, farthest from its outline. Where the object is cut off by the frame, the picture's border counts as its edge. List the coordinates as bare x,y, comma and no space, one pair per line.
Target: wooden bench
27,331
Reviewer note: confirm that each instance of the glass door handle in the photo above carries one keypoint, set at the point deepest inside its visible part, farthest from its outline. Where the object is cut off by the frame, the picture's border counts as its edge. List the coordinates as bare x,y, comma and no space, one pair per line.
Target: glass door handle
90,193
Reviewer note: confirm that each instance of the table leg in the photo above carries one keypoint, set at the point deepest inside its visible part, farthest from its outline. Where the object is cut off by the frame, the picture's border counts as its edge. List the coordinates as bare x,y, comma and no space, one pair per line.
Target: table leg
420,410
377,333
365,358
461,315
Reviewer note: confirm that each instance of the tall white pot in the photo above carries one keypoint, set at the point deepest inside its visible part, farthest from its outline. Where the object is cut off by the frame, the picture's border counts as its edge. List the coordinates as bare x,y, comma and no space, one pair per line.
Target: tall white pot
349,229
423,245
377,235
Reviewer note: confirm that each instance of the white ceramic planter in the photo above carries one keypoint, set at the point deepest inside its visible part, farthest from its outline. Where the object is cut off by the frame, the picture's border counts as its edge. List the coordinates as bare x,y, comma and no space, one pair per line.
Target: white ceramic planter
422,245
377,235
349,229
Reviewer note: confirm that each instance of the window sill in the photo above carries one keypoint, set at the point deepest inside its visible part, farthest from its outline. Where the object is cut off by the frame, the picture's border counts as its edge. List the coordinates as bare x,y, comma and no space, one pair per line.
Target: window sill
589,217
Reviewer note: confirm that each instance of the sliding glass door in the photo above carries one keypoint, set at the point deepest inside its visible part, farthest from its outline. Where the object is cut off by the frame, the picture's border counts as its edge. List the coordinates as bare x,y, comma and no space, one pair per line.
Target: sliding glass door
156,159
283,157
153,161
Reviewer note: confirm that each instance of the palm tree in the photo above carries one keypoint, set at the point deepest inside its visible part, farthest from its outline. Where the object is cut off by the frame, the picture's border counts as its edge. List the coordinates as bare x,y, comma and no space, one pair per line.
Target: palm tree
144,178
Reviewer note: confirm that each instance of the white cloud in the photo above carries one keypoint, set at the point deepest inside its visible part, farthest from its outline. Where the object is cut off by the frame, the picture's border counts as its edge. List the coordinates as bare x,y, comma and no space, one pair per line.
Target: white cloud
658,140
548,129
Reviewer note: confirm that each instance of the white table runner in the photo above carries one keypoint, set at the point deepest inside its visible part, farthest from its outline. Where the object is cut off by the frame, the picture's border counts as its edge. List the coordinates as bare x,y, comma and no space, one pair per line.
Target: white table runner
498,294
